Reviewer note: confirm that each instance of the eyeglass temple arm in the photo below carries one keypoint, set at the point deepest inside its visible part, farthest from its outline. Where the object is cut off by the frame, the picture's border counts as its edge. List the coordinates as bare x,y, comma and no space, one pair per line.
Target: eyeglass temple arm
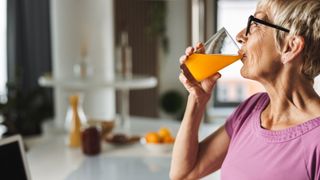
269,24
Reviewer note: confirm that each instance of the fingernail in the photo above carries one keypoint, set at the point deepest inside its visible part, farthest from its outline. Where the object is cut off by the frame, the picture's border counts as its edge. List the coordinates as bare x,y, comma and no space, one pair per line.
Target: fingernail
185,57
185,79
217,76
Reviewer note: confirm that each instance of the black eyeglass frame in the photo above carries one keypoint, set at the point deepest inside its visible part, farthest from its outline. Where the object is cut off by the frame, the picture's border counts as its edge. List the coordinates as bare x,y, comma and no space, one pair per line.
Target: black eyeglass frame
252,18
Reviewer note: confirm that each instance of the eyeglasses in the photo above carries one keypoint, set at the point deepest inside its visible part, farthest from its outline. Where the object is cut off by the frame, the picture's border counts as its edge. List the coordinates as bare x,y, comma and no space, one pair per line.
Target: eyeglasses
252,18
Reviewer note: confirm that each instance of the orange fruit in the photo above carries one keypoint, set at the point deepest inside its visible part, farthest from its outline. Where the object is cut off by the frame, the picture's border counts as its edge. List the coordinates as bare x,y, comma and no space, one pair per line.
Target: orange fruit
164,132
168,139
152,137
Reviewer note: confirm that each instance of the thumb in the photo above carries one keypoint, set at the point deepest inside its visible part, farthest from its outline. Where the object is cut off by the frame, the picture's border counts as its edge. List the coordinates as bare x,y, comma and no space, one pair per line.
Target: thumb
209,83
215,77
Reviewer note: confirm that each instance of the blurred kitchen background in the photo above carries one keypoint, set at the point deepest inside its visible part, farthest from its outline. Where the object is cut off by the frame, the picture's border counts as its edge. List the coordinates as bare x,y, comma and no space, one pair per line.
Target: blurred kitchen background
121,58
55,40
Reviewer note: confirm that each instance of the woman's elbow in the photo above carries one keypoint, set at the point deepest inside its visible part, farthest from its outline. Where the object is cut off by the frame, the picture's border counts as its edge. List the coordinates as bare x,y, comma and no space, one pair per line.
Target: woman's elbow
178,176
175,175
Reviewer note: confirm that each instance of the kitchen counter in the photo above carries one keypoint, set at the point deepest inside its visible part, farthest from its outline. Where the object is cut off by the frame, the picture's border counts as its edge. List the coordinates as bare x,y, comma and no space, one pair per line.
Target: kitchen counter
49,157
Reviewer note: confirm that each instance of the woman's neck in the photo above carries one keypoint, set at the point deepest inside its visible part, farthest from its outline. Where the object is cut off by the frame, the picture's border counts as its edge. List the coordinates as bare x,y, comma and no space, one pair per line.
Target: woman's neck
292,101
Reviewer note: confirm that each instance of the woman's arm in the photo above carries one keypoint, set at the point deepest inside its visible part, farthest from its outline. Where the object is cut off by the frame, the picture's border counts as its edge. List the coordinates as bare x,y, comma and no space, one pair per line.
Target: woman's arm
191,159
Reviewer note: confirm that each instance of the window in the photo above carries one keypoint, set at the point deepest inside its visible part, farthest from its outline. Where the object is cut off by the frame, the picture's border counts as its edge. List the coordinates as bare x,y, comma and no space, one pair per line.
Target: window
3,49
232,88
223,92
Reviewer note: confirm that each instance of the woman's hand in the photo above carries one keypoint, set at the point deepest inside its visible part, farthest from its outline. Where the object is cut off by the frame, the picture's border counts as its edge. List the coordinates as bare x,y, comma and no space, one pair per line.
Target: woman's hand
201,91
192,159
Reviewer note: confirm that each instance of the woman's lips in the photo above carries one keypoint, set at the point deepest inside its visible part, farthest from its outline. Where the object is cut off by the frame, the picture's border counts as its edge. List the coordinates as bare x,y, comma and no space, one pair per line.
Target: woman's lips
243,54
243,57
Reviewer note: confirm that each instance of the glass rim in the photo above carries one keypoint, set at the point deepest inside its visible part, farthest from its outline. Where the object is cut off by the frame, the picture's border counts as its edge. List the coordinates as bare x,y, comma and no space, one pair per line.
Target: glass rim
214,35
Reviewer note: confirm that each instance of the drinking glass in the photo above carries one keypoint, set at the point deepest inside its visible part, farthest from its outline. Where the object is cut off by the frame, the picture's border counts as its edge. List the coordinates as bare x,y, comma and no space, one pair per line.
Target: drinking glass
219,51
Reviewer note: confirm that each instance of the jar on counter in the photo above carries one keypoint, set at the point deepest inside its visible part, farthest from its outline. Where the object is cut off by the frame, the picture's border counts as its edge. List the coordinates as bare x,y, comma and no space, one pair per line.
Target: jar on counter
91,140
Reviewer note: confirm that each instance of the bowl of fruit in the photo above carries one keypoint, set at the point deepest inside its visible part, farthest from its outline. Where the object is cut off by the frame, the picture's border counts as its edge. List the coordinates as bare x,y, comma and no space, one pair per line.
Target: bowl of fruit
160,141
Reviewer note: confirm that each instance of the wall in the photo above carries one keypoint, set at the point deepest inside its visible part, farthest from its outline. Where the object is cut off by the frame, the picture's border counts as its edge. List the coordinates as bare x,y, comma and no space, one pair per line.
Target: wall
75,23
177,32
135,17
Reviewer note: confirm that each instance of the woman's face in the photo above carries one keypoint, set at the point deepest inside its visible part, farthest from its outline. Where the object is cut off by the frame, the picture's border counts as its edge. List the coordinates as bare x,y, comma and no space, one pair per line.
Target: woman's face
261,58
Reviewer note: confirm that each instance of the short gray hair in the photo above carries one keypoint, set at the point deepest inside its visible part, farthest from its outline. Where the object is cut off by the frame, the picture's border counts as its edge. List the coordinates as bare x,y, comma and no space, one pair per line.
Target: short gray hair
301,17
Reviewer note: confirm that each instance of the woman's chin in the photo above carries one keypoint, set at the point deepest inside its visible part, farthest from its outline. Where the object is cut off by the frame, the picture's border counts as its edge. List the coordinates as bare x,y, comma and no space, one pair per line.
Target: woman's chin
245,74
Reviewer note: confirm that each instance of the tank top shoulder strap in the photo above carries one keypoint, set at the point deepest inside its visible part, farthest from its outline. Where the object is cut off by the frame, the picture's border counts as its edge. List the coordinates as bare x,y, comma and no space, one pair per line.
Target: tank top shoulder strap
262,101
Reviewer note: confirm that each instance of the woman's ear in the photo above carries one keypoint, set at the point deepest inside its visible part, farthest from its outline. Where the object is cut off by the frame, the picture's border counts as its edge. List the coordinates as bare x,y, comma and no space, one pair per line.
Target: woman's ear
292,48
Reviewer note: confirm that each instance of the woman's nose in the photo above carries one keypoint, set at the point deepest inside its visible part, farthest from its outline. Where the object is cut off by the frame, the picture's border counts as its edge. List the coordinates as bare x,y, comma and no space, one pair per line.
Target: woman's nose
241,37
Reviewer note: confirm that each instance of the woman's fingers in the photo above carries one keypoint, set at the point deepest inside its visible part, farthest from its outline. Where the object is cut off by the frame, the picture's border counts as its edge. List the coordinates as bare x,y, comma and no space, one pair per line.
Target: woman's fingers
209,83
184,81
200,47
189,51
187,84
182,78
216,76
183,59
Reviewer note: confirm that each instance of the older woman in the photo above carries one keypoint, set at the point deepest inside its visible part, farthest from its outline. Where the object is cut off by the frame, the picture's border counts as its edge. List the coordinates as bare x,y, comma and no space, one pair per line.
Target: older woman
273,135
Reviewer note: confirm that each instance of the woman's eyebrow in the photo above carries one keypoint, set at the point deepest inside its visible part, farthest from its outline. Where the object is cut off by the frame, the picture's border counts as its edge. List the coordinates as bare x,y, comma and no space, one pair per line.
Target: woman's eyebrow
264,16
259,12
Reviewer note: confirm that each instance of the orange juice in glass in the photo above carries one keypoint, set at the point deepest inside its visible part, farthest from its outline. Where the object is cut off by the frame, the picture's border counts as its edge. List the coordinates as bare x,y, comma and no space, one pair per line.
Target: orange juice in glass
220,51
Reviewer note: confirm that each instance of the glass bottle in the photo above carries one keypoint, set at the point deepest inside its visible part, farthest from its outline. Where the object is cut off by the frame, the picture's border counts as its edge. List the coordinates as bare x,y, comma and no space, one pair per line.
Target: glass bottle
69,115
75,129
124,57
83,69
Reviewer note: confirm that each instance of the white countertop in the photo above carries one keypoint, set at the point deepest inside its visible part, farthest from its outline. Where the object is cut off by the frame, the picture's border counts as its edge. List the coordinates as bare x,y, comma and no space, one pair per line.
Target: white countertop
51,159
